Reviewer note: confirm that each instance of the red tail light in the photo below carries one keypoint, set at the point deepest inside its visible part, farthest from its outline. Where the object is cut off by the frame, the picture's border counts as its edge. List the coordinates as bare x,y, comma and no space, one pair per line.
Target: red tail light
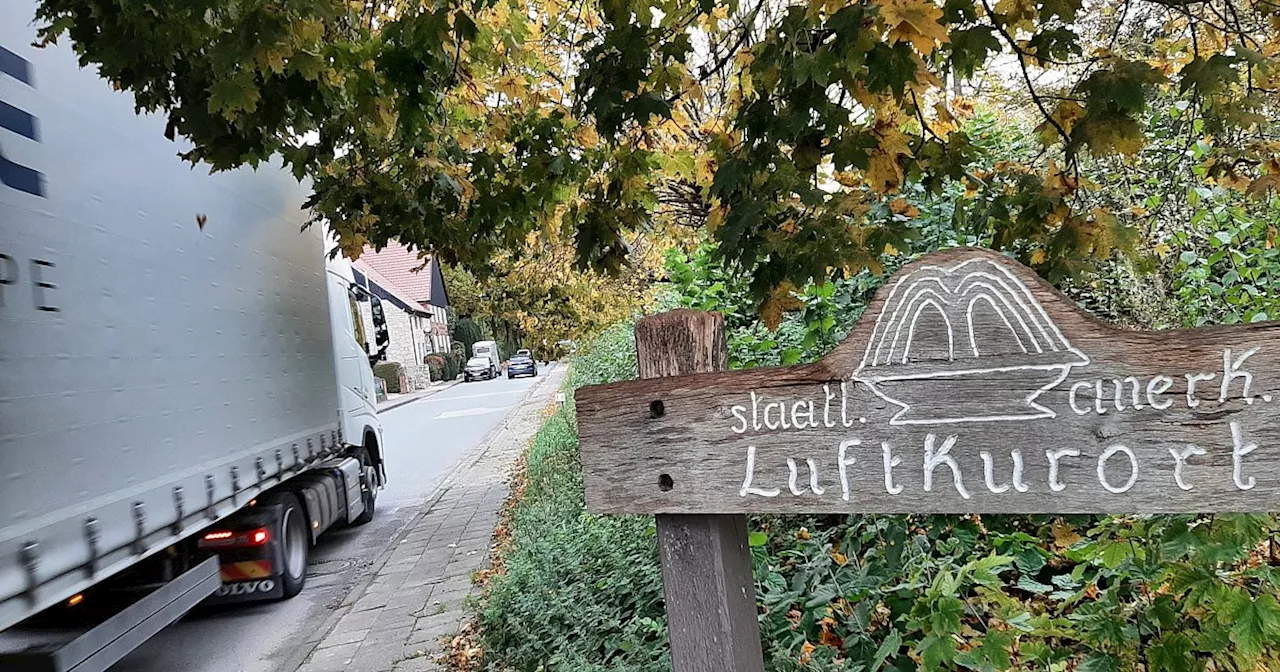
229,539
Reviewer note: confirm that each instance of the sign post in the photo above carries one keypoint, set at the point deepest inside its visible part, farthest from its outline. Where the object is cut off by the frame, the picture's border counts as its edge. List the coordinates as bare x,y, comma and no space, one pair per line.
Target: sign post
706,562
969,386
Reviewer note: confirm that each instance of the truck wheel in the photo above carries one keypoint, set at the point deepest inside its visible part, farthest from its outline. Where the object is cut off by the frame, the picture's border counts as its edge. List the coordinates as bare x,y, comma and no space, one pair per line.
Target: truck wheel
295,544
369,489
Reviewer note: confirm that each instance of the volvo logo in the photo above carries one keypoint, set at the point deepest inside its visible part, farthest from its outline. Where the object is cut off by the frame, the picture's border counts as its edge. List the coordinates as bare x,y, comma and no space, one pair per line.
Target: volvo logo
12,119
246,588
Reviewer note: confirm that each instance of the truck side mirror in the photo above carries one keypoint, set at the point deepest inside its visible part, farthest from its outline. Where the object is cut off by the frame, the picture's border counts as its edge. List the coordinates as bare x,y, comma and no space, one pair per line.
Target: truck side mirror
381,337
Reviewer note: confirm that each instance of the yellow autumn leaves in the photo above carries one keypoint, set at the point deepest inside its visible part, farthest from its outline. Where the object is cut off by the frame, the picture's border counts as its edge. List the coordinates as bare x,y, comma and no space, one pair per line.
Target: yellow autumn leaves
914,21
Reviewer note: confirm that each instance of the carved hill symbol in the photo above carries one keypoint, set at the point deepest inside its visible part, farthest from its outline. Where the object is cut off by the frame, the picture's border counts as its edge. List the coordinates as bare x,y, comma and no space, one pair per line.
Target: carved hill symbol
965,343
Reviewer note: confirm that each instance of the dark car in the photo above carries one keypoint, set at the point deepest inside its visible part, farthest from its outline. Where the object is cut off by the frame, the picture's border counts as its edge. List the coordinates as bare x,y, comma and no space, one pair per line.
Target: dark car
521,365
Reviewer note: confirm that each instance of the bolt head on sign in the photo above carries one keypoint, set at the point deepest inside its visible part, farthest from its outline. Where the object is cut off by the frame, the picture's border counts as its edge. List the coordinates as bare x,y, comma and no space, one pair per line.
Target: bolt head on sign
969,385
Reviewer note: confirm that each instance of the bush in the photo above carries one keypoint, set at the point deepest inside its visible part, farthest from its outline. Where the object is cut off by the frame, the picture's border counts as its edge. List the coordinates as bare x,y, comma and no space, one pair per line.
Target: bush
439,365
578,592
467,332
886,592
390,373
455,363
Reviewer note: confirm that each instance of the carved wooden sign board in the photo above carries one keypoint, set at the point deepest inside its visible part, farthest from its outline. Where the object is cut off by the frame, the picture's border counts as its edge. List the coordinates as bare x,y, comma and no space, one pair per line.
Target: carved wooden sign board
969,385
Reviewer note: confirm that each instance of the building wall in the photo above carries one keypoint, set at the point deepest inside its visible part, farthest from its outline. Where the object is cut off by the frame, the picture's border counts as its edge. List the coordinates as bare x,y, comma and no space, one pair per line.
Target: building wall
412,339
440,341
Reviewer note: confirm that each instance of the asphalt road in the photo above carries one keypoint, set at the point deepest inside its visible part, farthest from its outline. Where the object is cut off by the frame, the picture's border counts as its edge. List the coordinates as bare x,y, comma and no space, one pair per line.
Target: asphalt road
424,440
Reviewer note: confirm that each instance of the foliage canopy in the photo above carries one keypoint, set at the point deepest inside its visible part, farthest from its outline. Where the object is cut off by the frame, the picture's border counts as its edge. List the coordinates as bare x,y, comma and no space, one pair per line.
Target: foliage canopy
784,129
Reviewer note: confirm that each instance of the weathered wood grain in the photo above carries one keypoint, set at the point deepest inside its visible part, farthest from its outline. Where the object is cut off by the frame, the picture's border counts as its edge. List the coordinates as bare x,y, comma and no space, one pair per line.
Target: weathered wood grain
706,563
907,383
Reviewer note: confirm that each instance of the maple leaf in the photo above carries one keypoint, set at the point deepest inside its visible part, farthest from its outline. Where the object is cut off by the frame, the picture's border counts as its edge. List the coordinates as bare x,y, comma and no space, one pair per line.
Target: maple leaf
236,93
1066,114
1113,136
1263,185
273,57
900,206
914,21
884,173
779,301
1017,14
1209,76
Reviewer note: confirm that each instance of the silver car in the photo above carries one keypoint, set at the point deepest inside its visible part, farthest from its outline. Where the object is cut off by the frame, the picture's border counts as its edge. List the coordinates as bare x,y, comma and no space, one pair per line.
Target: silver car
478,368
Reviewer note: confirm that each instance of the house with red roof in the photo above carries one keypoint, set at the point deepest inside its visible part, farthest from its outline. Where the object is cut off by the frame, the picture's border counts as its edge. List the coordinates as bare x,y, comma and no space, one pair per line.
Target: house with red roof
414,299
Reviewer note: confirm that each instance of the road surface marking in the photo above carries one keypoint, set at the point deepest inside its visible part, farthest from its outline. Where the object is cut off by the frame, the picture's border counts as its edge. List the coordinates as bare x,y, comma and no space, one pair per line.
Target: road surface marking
481,410
475,396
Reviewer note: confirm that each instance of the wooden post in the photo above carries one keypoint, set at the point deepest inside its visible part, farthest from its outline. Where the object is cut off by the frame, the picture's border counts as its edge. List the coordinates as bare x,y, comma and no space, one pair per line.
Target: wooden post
706,562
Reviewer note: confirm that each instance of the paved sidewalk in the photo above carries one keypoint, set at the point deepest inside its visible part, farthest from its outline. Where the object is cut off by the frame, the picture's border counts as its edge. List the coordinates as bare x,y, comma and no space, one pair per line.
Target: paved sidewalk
416,599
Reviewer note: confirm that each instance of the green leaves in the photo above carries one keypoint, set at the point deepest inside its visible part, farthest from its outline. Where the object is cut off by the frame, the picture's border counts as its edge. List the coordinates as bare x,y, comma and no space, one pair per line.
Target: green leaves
971,47
1254,621
1208,76
233,94
1114,100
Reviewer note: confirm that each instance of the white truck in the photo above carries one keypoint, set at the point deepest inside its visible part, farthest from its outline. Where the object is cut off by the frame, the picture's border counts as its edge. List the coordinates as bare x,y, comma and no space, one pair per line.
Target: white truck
491,352
186,398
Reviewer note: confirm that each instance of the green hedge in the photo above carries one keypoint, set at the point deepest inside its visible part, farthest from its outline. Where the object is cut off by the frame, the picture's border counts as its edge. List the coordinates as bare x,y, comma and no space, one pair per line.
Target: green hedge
444,365
390,373
887,593
579,592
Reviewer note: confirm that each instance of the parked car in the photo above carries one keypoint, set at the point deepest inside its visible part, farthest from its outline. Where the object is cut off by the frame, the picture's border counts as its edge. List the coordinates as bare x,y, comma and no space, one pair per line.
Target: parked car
478,368
521,365
524,352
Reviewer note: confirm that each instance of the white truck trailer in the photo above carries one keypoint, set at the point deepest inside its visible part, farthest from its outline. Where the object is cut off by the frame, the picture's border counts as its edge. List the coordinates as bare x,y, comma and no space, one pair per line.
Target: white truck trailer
186,398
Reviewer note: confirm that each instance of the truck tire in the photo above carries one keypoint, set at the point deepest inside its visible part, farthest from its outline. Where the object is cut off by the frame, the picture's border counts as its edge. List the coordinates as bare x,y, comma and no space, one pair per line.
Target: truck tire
295,543
368,471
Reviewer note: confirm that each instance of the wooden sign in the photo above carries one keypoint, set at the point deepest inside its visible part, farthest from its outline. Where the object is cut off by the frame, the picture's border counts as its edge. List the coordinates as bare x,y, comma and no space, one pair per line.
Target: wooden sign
969,385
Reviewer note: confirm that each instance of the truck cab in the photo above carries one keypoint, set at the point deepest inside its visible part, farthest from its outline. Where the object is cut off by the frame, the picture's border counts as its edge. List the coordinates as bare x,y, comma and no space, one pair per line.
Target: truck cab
354,357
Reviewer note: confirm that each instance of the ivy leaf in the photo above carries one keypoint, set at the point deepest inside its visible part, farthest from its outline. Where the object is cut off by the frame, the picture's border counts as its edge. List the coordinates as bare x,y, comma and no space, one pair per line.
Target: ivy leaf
1115,554
1029,561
